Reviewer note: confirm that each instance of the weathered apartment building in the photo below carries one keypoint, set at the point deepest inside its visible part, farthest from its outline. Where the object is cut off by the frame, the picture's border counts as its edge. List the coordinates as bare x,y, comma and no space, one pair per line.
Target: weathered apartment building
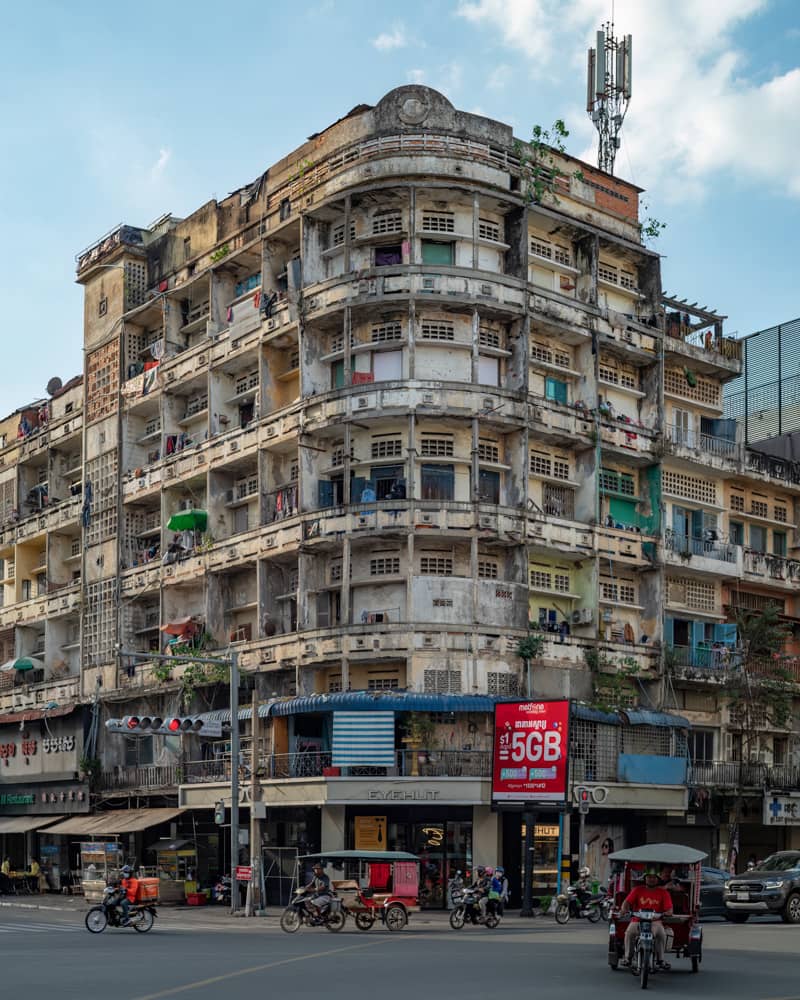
400,417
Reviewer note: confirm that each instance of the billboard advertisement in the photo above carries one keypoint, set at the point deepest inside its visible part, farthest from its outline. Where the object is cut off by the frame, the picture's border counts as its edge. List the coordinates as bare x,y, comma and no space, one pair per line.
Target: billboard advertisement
531,748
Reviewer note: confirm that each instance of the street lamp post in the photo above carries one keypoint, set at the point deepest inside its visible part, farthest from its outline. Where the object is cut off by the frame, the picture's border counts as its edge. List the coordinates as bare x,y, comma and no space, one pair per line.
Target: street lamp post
232,662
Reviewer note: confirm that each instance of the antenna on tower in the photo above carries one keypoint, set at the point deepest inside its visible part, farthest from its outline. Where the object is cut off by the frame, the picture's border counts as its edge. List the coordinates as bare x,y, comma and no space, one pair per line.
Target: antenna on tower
608,91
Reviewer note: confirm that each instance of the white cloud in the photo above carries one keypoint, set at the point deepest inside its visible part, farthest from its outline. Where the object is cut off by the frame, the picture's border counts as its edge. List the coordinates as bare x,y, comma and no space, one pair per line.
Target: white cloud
499,78
446,79
696,113
394,39
416,76
158,167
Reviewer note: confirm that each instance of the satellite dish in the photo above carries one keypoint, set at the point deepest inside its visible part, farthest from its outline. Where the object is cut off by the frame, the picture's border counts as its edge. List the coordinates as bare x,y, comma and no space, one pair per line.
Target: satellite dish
53,385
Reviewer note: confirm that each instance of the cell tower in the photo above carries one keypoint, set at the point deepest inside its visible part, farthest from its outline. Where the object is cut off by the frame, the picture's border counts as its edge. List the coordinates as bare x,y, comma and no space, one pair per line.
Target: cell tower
608,91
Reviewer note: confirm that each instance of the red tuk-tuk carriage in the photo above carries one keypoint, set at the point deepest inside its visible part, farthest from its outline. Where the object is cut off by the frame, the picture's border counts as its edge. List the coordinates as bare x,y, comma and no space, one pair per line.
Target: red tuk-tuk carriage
684,933
378,885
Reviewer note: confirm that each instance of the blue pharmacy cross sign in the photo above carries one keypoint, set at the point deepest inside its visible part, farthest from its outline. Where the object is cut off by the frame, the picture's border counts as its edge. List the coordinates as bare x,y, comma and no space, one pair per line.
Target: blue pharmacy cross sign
775,807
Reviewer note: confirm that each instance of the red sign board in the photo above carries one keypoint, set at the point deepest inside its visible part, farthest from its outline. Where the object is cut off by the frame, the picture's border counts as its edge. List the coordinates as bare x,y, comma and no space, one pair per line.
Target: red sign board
531,747
244,873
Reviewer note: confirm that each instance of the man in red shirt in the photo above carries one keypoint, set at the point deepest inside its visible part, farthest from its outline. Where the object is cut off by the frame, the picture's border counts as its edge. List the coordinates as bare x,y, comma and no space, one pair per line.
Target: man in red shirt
650,896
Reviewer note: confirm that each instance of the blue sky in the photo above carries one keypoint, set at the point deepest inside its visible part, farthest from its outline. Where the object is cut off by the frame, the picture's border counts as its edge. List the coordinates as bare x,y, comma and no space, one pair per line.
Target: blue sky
119,113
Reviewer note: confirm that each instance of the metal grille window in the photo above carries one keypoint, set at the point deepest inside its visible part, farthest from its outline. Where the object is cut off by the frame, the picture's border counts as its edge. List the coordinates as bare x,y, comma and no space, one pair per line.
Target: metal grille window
488,451
338,234
488,230
541,580
560,469
594,750
558,501
442,681
502,683
437,331
690,487
622,591
384,566
692,593
335,685
439,222
294,471
196,404
99,623
436,447
780,514
386,331
336,571
647,740
541,352
489,338
387,447
247,487
561,583
488,569
387,222
737,501
337,455
759,508
612,481
101,473
382,683
436,566
541,464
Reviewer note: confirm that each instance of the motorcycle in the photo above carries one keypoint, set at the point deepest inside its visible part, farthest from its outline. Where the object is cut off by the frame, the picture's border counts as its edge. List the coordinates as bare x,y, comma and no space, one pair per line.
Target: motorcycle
467,910
644,957
108,913
568,905
297,913
221,893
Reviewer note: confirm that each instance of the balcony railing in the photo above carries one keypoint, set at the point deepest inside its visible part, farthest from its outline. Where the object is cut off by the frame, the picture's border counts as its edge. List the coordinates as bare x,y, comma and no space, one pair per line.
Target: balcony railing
148,776
704,657
709,443
317,764
709,548
775,567
735,774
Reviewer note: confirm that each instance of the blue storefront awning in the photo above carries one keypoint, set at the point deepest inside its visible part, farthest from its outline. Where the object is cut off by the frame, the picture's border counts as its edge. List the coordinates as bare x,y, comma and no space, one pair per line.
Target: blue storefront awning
365,701
589,714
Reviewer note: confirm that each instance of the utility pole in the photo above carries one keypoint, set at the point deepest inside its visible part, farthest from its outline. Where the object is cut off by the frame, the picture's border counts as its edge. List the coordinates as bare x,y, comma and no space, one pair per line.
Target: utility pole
253,894
234,700
529,819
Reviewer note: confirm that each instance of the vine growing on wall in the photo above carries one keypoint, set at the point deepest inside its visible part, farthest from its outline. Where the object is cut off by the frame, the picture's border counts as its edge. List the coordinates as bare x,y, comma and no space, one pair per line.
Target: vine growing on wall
539,166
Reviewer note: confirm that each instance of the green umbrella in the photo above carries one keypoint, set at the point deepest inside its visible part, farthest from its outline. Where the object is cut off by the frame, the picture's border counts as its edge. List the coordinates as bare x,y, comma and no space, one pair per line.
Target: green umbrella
188,520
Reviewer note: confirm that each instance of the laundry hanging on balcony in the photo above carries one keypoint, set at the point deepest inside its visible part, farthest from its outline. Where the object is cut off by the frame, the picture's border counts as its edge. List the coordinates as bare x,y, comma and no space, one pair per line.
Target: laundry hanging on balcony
188,520
363,739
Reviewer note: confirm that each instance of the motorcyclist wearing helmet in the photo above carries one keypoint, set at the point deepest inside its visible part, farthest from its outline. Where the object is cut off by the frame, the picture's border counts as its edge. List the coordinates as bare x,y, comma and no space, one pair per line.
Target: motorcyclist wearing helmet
481,886
650,896
128,884
583,887
500,875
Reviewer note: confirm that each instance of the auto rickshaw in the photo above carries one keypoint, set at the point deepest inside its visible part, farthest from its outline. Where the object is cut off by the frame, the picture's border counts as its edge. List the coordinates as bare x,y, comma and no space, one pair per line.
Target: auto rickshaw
378,885
684,933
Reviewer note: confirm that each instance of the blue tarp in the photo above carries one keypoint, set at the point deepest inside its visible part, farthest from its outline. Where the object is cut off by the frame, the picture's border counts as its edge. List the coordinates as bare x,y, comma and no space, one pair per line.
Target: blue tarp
365,701
646,717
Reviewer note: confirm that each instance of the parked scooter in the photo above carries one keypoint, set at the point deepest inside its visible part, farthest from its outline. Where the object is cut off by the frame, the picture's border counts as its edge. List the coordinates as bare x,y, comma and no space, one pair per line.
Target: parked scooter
221,893
568,905
467,909
297,913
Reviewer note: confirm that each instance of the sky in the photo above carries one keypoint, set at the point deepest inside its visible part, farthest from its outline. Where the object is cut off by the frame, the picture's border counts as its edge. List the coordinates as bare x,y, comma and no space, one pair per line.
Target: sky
116,113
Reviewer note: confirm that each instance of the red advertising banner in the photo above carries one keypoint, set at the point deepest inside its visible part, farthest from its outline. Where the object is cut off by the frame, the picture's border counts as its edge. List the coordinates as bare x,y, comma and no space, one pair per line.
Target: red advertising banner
244,873
531,748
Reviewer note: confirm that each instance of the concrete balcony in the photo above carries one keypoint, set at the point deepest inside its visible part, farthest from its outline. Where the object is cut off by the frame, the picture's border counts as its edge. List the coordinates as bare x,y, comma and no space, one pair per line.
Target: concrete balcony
20,697
30,612
738,775
622,546
717,558
712,355
66,427
59,515
713,453
559,423
141,579
64,600
777,471
775,571
560,315
145,485
147,778
636,442
623,334
570,538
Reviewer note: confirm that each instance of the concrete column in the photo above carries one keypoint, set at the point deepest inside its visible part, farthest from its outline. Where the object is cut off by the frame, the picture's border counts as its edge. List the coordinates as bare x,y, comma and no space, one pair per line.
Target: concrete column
476,209
485,836
333,831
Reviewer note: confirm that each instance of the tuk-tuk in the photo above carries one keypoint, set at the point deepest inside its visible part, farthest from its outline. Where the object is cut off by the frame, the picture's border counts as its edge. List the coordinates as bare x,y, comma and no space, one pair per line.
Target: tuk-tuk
683,930
377,885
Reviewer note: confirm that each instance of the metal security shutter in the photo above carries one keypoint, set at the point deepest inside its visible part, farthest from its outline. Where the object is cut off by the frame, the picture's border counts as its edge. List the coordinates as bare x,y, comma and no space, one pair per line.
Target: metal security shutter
363,738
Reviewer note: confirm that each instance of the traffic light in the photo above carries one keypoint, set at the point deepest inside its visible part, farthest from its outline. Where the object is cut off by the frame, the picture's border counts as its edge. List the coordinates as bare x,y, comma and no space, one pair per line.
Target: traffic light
584,801
146,725
219,813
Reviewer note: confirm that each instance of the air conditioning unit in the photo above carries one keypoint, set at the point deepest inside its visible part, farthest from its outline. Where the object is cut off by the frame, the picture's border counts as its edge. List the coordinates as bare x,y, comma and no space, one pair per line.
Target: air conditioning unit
186,505
362,402
538,413
582,616
272,430
270,542
428,398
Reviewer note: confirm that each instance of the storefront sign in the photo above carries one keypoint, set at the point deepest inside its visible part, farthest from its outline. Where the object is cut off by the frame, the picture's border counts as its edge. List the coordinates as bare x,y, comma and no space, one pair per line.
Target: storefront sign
531,741
370,833
403,795
26,756
782,809
10,799
47,799
244,873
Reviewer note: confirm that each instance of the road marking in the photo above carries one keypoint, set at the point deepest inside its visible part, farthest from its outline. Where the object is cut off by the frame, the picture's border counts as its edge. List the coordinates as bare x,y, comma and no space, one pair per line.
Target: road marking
254,968
37,928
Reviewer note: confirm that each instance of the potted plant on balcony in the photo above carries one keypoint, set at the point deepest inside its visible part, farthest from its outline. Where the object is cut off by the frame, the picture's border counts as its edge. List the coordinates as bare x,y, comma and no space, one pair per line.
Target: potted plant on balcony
418,730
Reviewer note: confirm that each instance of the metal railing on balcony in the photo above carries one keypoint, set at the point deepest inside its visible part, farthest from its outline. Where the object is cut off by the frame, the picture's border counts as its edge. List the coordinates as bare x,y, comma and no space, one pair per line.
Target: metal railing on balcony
317,764
709,443
716,547
737,774
775,567
147,776
712,658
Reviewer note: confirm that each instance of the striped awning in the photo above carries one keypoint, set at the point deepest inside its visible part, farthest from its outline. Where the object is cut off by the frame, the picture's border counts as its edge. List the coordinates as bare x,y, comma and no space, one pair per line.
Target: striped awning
363,738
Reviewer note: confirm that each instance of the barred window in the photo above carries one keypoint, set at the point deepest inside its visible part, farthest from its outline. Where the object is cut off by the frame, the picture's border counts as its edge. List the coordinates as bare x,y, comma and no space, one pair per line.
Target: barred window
488,230
439,222
488,569
780,514
99,623
541,580
382,683
336,571
541,465
488,451
337,455
436,566
386,331
612,481
737,501
502,683
541,352
618,590
758,508
387,222
337,239
560,469
489,338
437,331
442,681
387,447
691,487
334,685
692,593
384,566
436,447
101,473
561,582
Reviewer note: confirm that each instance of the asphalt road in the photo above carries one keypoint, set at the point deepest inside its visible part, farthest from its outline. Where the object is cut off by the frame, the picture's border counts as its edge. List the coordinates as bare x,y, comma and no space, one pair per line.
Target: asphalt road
46,954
